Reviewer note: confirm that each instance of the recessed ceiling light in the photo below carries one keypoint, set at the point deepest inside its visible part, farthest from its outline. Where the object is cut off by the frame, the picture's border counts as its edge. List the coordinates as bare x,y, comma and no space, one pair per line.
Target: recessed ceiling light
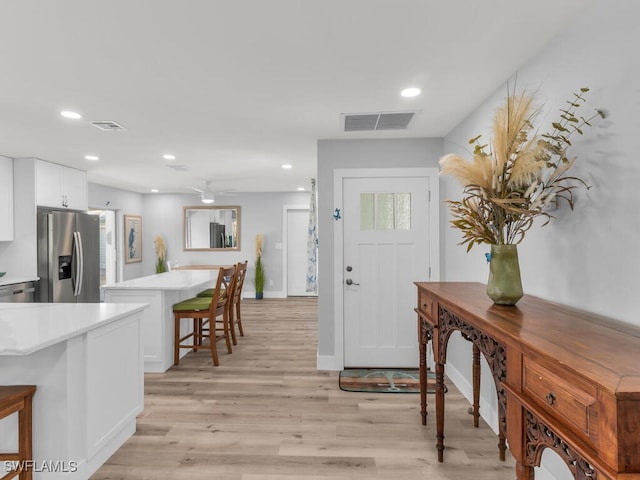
286,166
411,92
93,158
301,189
69,114
154,190
168,156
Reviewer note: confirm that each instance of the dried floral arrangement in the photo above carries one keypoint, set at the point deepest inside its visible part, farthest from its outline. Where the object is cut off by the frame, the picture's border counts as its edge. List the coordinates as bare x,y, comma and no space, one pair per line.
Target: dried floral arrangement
161,253
513,181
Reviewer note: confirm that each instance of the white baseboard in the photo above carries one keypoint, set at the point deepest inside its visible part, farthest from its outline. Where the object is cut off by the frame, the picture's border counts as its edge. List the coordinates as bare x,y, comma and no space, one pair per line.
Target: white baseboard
329,362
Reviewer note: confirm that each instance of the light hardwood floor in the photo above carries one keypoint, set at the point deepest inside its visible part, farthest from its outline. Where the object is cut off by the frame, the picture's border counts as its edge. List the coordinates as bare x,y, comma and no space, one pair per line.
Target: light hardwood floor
266,413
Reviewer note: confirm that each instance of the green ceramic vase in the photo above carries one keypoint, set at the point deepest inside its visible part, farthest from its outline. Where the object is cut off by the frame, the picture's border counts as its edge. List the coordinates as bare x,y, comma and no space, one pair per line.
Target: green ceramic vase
504,286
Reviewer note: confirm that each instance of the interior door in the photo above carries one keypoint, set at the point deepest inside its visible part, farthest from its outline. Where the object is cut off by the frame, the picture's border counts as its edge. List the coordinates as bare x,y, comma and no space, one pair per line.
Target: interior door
297,232
386,249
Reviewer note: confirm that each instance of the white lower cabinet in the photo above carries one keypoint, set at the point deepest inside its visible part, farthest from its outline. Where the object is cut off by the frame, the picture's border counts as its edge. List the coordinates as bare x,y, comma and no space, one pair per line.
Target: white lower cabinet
90,388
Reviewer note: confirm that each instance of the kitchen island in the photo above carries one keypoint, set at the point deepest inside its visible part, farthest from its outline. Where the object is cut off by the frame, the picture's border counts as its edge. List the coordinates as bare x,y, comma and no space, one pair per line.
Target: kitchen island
86,363
161,291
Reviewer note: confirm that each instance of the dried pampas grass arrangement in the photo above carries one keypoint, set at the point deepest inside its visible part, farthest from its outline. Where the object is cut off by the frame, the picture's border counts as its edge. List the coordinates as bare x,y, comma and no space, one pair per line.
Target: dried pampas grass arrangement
508,185
259,241
161,254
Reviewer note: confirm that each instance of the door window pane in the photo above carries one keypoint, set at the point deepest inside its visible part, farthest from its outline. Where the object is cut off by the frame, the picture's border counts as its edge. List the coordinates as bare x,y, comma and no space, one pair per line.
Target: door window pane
367,212
385,211
403,211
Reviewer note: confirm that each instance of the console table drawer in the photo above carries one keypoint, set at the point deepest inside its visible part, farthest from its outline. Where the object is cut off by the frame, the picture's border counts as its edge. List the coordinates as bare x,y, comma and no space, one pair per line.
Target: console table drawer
568,398
427,305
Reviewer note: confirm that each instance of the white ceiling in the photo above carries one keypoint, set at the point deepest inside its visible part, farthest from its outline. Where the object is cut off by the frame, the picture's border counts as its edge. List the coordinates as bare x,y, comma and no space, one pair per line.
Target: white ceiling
236,88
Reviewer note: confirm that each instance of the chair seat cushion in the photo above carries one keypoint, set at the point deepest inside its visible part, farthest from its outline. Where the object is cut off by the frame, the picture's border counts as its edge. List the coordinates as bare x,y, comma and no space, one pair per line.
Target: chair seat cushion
209,293
195,304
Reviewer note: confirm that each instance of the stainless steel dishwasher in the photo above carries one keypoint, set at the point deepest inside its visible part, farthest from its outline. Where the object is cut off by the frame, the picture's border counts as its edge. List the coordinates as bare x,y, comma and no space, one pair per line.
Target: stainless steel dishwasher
18,292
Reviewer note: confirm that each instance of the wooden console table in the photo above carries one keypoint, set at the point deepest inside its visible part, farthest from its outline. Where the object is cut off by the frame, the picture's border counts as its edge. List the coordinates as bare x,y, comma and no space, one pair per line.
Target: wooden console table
565,379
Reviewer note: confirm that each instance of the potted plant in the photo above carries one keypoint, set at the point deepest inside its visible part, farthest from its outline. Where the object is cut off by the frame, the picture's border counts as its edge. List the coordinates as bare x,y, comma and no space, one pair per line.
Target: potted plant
511,181
258,279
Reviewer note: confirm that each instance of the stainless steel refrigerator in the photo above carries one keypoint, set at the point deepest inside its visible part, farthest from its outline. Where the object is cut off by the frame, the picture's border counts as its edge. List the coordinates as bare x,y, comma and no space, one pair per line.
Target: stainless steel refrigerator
216,235
68,257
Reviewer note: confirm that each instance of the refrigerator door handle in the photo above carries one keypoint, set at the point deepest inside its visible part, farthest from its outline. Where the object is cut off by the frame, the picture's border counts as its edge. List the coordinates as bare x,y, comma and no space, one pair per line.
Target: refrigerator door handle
80,263
75,260
77,256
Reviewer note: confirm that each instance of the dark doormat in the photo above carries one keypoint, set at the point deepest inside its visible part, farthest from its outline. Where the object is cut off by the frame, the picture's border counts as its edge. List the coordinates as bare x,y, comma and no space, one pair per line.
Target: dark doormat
384,380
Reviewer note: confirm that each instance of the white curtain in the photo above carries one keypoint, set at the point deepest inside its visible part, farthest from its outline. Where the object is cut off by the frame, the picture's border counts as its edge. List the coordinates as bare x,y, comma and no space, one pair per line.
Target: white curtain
312,243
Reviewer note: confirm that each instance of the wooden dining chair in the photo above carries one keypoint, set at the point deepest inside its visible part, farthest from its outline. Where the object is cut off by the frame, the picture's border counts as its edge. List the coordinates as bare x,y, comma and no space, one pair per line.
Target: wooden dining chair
205,312
235,317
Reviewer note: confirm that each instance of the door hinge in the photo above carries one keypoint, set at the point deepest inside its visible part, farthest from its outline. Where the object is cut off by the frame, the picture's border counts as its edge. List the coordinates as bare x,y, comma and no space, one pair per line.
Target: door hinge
429,195
429,272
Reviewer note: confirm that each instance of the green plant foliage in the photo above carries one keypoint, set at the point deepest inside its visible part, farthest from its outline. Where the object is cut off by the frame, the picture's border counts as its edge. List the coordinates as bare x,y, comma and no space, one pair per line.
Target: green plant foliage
259,276
161,266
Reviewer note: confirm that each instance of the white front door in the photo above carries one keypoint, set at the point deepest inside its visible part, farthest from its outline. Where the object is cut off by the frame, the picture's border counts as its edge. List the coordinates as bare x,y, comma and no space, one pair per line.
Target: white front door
386,248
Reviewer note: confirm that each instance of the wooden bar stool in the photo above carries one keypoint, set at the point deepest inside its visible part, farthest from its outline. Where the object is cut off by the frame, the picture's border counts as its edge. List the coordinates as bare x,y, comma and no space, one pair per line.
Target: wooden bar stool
235,313
235,317
204,311
18,399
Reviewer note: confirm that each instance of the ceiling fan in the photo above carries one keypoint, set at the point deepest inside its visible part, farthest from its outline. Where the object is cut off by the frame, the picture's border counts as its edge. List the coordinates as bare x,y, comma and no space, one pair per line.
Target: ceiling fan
207,195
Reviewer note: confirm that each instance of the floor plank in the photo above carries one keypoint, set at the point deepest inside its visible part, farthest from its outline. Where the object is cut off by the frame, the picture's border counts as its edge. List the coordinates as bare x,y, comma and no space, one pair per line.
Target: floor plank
266,413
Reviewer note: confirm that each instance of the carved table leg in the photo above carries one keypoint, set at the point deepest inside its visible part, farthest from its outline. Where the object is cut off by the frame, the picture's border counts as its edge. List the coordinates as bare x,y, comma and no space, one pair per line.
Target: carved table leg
476,386
524,472
502,446
440,411
423,382
494,353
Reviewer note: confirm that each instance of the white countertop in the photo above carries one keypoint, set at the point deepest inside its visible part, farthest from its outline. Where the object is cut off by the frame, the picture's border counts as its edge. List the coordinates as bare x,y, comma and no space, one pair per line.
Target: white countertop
28,327
174,280
9,279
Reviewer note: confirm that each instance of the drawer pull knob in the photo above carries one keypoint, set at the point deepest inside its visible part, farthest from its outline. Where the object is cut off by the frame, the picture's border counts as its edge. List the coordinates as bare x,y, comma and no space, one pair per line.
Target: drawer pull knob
550,398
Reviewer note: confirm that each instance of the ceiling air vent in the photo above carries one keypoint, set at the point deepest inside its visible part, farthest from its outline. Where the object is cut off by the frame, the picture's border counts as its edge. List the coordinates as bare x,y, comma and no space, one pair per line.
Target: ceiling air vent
360,122
107,125
178,168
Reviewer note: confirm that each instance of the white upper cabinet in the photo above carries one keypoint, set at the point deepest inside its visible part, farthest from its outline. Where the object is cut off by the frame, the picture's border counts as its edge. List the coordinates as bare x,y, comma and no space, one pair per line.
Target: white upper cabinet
6,199
60,187
74,188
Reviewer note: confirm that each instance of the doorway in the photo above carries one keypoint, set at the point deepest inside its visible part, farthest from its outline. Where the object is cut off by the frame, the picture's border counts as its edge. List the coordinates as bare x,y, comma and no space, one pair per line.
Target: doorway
389,239
294,257
107,247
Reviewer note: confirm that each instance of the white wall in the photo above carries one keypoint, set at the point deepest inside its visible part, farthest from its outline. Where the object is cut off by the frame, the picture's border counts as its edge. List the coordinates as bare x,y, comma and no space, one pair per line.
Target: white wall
162,215
589,257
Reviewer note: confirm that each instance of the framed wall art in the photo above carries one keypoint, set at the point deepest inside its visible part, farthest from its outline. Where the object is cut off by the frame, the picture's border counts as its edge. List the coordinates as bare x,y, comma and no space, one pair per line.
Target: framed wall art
132,238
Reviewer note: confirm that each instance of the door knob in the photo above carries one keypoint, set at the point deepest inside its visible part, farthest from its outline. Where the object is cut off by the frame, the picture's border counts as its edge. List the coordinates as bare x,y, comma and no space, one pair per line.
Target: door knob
351,282
349,268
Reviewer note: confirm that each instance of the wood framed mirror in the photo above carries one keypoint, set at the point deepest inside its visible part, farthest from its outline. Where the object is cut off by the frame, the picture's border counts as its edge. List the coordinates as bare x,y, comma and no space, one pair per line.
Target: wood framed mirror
208,228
